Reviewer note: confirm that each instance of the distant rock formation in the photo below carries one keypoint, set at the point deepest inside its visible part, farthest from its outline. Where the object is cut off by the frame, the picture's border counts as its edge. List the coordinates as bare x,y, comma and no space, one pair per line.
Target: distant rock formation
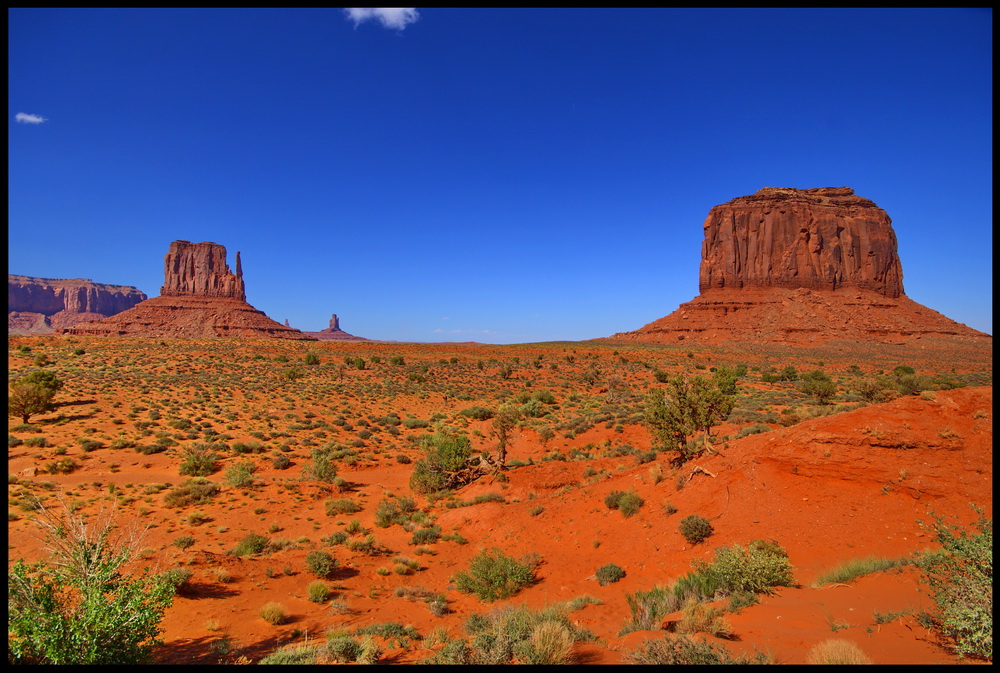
800,266
201,298
334,333
42,305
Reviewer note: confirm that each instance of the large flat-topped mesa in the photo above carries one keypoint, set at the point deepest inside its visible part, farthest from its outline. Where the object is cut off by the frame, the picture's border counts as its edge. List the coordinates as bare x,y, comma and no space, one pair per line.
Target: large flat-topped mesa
823,239
201,298
42,305
799,267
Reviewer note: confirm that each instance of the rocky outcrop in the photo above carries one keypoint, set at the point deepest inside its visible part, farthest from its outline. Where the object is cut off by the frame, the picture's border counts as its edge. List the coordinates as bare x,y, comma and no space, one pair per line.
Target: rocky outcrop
800,267
41,305
822,239
334,333
201,298
200,270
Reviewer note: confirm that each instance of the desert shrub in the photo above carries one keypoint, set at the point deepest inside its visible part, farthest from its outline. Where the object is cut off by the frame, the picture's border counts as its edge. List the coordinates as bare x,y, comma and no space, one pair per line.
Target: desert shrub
752,430
322,468
184,541
191,492
252,543
689,406
493,576
608,574
150,449
273,613
648,607
292,655
961,583
855,568
426,535
311,358
342,648
817,384
320,563
391,511
33,394
755,569
630,503
835,652
681,650
281,462
515,635
240,475
445,455
700,618
82,608
477,413
61,466
341,506
612,499
178,579
696,528
199,461
318,592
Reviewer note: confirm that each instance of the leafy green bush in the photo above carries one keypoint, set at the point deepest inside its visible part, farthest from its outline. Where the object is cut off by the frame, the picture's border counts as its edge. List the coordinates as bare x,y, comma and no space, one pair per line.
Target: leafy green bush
320,563
494,576
696,528
608,574
961,582
755,569
83,609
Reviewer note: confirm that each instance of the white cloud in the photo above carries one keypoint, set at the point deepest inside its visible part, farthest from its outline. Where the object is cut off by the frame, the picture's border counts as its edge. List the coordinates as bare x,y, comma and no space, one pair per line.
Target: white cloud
26,118
390,17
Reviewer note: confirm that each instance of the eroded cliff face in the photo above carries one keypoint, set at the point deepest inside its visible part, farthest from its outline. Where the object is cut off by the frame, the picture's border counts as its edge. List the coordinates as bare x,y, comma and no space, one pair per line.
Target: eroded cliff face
38,305
201,270
823,239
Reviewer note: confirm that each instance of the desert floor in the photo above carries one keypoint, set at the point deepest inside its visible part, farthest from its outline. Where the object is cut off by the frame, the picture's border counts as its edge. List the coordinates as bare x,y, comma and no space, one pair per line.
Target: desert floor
828,487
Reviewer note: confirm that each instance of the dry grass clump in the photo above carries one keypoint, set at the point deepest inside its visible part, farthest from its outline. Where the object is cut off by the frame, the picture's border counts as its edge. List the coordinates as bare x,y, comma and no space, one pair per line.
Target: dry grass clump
273,613
836,651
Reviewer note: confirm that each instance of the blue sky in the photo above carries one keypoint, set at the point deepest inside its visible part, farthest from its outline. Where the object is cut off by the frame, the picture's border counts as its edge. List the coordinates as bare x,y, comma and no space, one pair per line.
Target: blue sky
493,175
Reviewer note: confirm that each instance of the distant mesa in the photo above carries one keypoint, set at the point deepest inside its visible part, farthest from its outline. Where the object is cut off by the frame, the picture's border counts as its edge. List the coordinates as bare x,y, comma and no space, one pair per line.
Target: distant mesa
43,305
200,298
333,332
800,266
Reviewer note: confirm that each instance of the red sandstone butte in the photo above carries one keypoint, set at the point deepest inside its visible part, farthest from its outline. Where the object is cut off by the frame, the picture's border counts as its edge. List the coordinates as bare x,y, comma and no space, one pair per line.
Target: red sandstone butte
200,298
800,266
42,305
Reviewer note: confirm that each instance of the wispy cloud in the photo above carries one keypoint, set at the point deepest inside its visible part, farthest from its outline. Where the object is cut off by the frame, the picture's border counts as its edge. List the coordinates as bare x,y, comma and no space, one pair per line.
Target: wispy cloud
390,17
25,118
